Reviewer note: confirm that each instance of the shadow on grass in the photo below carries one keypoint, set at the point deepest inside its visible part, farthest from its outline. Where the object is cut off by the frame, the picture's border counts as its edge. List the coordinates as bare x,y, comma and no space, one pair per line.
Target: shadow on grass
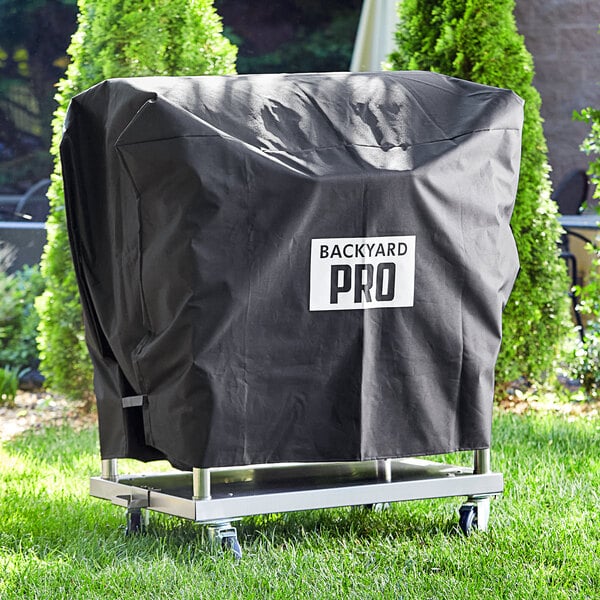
46,506
408,521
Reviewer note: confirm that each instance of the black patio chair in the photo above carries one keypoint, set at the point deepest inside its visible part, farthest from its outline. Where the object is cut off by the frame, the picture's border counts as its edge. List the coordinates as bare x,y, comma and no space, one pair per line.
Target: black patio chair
570,195
33,205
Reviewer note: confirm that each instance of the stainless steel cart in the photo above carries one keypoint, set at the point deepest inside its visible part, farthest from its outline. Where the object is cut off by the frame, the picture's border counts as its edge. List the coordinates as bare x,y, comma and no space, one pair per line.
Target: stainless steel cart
216,497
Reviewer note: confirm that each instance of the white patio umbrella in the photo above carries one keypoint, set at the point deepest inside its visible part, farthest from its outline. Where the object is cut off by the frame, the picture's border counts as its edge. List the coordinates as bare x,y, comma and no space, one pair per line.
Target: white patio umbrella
375,35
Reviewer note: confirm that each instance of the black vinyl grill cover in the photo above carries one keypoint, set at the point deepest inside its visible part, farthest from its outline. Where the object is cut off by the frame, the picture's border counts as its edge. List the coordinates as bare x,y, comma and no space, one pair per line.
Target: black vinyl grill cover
306,267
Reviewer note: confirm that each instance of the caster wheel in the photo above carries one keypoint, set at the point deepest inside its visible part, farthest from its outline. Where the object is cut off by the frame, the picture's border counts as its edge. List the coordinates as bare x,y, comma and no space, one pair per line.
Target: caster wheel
377,507
134,522
468,518
231,544
224,535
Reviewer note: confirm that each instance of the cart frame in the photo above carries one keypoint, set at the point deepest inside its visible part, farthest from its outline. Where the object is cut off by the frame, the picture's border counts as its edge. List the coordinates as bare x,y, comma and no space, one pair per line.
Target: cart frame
216,497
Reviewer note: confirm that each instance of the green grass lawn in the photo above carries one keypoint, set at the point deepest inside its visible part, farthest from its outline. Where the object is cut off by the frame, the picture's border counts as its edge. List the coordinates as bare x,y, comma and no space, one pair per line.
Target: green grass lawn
57,542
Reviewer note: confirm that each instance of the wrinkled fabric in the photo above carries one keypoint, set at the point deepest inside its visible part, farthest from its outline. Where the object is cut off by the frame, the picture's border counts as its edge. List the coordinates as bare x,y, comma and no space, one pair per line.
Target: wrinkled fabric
237,241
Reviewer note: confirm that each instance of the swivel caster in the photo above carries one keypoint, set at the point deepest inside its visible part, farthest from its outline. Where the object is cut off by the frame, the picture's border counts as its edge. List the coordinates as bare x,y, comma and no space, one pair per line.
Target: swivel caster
377,507
226,535
135,521
231,544
474,515
467,518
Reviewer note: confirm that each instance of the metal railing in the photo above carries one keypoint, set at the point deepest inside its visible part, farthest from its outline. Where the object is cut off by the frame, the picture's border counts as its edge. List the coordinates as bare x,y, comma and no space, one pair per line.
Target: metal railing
23,225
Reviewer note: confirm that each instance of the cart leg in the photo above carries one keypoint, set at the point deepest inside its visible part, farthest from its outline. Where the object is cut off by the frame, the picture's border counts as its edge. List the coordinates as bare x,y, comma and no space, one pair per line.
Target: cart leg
225,535
475,512
384,469
383,473
110,469
201,484
482,461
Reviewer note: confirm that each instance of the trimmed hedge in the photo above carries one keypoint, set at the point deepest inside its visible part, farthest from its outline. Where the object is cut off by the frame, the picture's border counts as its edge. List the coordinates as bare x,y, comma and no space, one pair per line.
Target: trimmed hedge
115,38
478,40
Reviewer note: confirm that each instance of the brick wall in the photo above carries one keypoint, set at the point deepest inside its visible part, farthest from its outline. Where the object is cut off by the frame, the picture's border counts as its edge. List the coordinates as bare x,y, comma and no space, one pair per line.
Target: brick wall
562,36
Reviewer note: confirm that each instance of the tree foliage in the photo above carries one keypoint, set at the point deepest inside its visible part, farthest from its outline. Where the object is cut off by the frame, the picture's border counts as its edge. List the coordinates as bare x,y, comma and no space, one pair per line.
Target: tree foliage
478,40
591,144
33,41
115,38
586,356
294,36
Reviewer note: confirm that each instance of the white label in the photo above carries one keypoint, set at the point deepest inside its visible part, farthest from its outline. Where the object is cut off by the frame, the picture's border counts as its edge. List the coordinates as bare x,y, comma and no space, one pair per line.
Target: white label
360,273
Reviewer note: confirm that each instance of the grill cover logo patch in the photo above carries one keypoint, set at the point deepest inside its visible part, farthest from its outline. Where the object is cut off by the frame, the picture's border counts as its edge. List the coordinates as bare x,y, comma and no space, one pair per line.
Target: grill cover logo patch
361,273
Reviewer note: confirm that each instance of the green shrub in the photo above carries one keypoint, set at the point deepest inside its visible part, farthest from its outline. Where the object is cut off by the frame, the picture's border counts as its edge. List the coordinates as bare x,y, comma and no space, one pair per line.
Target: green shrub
585,361
585,358
115,38
477,40
9,384
18,317
591,144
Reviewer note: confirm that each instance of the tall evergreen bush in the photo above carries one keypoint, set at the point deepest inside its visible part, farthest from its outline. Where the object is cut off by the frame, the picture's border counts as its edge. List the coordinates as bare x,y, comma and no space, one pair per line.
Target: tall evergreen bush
478,40
115,38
